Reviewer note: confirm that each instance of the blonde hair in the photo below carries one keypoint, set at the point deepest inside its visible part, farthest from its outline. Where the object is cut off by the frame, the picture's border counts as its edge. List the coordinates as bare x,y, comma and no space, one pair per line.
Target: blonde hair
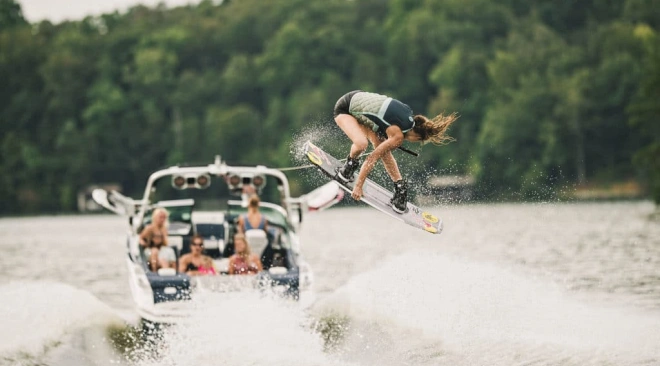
247,251
157,212
434,130
149,231
254,201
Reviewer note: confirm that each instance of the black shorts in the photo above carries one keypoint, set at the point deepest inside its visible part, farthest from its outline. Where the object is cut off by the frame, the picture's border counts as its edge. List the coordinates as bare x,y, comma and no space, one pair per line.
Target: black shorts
343,104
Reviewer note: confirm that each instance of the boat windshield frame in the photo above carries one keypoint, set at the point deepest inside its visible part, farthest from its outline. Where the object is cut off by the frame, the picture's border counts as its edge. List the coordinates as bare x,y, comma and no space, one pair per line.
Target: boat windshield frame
218,169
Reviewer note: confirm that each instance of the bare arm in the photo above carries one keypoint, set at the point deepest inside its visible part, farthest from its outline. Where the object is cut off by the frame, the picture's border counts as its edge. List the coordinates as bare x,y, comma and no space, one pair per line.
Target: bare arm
145,236
240,224
230,270
394,140
183,263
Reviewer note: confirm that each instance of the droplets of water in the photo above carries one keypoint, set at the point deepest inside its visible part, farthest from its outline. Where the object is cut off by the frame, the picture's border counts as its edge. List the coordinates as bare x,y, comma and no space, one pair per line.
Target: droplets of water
416,170
323,133
244,328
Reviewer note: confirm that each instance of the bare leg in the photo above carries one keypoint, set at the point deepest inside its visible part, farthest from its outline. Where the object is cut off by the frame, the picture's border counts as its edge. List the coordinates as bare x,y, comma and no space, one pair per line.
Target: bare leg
388,159
355,132
153,259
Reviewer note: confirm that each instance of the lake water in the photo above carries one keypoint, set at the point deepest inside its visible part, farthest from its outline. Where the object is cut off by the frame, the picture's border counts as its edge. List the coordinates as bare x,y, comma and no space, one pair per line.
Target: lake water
504,284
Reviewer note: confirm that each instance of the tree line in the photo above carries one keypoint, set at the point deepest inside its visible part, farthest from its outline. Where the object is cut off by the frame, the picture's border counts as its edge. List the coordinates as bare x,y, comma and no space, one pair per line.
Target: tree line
550,94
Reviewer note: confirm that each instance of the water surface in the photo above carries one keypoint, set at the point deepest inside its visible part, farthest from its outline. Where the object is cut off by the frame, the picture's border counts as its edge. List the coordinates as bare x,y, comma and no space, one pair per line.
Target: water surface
507,284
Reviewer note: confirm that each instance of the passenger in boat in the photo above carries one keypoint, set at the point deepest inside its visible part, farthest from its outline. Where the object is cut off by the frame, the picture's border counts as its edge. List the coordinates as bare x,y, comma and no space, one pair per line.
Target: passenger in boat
154,239
158,226
160,255
385,122
195,263
253,219
243,261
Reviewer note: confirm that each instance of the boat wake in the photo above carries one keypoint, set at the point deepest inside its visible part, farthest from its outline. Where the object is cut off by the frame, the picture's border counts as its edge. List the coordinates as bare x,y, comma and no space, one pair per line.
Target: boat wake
244,328
415,309
425,308
42,320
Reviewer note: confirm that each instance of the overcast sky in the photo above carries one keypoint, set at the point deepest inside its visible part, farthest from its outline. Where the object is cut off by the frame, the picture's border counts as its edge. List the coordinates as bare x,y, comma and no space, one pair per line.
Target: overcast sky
59,10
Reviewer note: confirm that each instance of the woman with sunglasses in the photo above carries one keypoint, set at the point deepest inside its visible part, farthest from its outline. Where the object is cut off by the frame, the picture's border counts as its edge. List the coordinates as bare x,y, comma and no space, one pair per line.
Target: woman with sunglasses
243,261
195,263
386,123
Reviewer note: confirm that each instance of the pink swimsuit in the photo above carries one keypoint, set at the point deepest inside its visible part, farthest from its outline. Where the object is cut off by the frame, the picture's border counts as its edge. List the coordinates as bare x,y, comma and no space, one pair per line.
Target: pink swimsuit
205,270
242,267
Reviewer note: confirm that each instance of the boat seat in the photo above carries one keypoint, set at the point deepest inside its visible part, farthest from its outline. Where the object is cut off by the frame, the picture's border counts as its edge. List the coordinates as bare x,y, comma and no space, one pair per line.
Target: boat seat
175,242
167,271
257,239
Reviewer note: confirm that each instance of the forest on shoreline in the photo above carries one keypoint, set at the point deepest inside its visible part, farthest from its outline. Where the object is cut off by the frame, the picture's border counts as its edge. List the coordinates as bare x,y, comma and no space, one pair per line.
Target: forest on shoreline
552,96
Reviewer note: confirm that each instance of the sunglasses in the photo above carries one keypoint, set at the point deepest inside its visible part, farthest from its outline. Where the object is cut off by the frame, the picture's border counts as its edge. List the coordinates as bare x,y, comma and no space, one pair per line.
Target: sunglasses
197,244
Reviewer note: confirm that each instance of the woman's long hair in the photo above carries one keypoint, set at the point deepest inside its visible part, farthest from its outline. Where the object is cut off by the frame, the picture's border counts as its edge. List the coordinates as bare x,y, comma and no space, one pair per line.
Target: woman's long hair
254,201
157,212
162,229
248,251
434,130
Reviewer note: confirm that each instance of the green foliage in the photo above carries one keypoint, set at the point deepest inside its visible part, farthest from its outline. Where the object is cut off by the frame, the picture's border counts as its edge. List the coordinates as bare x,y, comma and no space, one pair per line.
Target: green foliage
549,94
644,113
10,14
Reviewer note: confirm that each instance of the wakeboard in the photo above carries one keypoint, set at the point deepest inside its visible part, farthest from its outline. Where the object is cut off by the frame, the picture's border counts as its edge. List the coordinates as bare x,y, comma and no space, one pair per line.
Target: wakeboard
373,194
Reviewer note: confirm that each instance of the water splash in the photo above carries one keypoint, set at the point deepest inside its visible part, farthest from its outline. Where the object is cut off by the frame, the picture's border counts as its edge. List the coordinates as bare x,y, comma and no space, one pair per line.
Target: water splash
467,313
323,133
35,316
241,329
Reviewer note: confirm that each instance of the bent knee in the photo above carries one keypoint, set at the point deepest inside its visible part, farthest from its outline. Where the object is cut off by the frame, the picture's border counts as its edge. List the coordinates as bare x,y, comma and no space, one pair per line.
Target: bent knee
361,144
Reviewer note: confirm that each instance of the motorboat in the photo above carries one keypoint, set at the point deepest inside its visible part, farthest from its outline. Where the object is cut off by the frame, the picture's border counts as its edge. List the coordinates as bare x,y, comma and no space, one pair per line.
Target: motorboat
208,200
